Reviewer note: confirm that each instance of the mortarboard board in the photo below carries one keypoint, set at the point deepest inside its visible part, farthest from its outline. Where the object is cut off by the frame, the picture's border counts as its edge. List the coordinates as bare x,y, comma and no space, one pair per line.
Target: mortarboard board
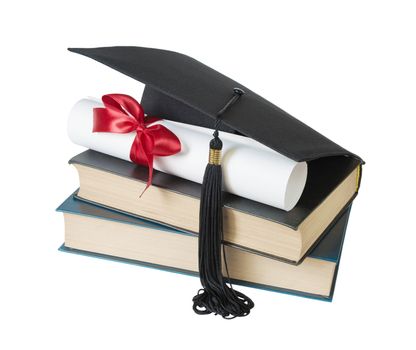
183,89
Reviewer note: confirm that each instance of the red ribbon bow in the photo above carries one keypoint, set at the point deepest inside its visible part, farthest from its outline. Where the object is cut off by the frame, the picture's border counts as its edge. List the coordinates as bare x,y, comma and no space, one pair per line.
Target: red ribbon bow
123,114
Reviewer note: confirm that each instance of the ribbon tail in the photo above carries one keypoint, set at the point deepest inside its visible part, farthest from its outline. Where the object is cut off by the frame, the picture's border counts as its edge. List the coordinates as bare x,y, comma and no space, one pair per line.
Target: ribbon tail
142,153
150,173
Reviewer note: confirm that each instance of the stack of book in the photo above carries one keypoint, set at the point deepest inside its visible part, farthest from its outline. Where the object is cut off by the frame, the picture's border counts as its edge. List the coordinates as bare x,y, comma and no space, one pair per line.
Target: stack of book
290,248
296,252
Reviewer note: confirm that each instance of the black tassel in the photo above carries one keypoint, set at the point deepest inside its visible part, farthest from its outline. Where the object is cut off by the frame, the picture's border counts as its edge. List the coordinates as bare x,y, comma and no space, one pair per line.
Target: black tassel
215,296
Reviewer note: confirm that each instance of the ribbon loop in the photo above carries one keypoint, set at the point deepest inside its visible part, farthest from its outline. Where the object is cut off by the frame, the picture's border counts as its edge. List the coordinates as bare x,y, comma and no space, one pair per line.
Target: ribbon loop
123,114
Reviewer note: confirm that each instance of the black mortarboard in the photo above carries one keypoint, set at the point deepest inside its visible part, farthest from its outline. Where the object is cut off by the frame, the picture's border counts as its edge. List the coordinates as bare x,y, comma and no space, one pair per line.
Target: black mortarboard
183,89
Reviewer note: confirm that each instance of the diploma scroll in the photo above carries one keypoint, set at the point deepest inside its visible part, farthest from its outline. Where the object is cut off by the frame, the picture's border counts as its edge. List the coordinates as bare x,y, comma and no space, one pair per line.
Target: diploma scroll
250,169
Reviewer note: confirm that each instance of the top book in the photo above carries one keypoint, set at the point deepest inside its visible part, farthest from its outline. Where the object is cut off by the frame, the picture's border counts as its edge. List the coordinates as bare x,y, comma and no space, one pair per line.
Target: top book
262,229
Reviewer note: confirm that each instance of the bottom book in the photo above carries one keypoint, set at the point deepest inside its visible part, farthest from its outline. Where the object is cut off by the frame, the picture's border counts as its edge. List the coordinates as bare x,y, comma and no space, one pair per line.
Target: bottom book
99,232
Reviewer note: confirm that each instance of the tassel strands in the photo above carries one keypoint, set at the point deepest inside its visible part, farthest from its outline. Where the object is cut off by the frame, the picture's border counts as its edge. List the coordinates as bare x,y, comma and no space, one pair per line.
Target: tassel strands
216,296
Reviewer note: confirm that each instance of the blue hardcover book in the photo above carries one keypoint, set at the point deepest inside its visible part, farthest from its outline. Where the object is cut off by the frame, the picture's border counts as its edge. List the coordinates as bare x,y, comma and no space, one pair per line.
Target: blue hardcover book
101,232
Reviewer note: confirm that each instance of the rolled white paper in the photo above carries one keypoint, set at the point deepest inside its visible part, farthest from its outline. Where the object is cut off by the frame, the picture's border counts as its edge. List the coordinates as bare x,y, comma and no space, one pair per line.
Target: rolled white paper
250,169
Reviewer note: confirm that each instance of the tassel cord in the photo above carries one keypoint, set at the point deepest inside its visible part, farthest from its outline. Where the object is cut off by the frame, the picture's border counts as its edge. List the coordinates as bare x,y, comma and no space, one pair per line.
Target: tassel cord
216,296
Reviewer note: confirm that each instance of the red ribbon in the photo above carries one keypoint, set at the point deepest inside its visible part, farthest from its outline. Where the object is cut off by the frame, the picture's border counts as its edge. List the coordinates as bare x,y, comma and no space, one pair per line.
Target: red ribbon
123,114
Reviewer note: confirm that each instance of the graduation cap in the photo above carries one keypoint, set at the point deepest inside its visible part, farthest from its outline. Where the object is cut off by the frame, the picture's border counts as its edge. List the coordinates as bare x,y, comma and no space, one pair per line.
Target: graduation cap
183,89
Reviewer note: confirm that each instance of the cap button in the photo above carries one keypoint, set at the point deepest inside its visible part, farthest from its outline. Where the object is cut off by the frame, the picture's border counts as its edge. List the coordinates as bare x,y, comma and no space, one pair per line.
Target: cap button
239,91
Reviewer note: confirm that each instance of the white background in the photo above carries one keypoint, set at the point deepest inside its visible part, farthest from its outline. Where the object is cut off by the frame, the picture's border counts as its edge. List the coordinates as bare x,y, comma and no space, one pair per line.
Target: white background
348,69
